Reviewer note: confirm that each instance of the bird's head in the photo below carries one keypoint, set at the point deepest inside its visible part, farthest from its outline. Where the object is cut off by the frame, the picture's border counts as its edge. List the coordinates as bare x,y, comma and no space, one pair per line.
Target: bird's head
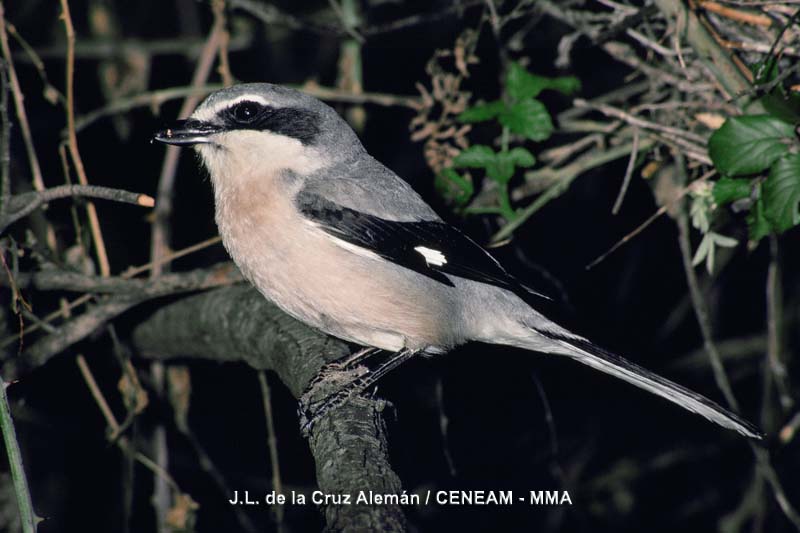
258,129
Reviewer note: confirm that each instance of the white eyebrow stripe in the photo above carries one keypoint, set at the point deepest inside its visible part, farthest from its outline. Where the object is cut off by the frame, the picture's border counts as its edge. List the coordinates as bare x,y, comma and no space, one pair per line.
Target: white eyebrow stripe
432,257
204,114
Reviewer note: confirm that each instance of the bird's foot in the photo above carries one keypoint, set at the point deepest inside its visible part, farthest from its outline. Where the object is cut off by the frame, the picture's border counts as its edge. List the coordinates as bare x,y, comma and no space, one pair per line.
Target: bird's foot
330,371
329,388
339,381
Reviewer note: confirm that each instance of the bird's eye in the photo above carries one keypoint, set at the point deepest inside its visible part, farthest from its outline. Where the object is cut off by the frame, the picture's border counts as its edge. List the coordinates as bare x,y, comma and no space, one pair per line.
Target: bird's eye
246,112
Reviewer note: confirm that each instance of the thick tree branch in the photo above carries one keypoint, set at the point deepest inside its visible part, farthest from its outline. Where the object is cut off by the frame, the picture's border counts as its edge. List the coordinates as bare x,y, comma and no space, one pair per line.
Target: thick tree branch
238,324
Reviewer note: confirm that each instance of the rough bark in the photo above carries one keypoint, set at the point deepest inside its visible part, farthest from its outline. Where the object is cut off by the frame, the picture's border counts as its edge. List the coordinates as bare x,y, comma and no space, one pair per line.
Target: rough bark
238,324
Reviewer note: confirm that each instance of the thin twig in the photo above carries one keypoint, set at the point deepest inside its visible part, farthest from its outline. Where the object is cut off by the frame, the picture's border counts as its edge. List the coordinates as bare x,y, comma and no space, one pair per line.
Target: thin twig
422,18
760,3
125,275
180,390
728,75
788,431
155,99
639,122
22,117
26,514
350,75
272,444
566,176
159,245
51,93
347,97
641,227
101,49
94,389
224,68
444,424
628,172
54,279
494,20
644,41
113,426
24,204
701,312
347,26
5,144
720,377
94,222
774,318
172,256
110,307
160,239
269,14
736,14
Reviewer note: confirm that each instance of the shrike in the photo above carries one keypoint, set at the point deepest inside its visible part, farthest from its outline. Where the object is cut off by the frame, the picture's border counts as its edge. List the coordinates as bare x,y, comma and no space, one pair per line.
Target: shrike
340,242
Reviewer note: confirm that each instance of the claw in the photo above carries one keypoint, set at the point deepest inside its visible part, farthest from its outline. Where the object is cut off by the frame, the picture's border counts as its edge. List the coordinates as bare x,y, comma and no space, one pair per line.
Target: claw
339,381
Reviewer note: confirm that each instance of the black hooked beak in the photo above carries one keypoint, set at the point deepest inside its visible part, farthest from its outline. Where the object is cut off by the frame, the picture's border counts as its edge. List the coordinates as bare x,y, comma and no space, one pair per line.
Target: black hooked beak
187,133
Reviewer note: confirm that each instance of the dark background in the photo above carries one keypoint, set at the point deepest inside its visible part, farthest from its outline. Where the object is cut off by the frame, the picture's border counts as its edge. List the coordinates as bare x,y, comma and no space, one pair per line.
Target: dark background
630,461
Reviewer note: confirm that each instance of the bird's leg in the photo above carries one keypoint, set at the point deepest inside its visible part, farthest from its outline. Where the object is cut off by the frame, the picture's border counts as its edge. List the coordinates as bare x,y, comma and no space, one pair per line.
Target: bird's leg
333,377
311,411
331,372
348,362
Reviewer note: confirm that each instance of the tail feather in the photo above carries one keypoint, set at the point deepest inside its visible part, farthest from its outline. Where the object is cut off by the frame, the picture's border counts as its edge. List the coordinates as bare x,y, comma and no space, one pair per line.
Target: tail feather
589,354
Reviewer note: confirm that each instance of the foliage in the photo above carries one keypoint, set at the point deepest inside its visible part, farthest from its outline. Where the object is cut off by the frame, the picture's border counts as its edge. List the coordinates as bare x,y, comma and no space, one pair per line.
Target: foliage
754,145
521,116
743,150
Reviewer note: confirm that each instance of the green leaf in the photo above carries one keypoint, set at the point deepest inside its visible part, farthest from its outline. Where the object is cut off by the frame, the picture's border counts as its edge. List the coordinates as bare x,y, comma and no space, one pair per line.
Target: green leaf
506,163
749,144
502,170
728,190
782,106
454,187
481,112
757,224
565,84
522,157
528,118
476,156
780,103
782,193
521,84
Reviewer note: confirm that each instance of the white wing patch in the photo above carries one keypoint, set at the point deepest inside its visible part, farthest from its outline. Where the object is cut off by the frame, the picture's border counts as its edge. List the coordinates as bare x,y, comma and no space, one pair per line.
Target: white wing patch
432,257
358,250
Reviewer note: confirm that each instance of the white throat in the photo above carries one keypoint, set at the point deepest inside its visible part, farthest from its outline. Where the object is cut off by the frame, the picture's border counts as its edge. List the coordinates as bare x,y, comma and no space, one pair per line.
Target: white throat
245,159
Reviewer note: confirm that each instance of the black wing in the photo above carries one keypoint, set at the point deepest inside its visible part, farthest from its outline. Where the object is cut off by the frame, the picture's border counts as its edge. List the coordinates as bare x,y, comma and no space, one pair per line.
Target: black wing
430,247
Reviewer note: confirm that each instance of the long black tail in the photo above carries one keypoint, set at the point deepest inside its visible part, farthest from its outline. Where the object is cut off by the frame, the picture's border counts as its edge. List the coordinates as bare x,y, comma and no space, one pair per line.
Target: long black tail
589,354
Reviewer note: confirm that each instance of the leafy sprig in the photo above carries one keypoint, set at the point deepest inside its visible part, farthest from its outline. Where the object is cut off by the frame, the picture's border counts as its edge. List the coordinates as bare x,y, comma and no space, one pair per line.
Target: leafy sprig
520,115
752,145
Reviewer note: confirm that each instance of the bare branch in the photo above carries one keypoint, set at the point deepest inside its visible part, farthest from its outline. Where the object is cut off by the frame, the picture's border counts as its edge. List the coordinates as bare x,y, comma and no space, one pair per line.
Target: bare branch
110,307
25,203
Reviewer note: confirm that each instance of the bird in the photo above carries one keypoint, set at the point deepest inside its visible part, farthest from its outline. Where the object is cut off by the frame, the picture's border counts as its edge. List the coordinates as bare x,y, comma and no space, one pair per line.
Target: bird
340,242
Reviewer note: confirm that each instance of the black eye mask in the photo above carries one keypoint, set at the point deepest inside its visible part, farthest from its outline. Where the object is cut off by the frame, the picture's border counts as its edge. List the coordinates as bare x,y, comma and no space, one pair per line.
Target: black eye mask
299,124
